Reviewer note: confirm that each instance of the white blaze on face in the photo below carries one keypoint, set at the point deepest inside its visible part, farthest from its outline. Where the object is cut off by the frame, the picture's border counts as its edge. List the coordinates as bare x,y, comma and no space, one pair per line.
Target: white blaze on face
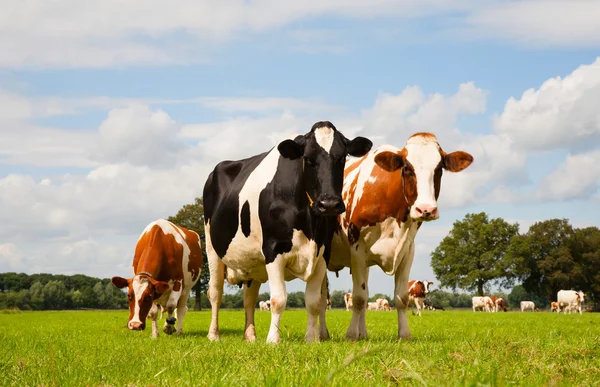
139,285
324,137
424,155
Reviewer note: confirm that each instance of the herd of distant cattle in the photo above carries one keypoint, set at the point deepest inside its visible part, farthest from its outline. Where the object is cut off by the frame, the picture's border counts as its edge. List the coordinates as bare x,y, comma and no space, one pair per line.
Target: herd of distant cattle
296,211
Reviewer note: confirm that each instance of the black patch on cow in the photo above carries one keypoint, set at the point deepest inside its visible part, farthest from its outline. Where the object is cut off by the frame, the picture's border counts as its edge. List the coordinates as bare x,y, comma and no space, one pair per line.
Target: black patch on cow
171,320
245,219
221,199
363,286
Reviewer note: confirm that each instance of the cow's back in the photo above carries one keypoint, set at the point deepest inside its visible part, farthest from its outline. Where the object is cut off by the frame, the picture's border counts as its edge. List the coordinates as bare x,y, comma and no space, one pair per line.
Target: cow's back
566,297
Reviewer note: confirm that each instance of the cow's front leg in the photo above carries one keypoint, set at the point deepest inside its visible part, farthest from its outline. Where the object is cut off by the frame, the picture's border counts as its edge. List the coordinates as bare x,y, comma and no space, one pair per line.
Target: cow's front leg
153,315
360,295
314,300
181,310
250,298
401,298
172,304
215,289
323,332
275,272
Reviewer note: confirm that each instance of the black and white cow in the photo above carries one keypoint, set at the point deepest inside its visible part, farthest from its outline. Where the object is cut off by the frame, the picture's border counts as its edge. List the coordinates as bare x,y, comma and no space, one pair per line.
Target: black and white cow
271,217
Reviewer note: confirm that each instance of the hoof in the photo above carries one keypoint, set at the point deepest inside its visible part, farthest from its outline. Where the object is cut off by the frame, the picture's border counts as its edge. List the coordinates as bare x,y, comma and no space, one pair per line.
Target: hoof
169,329
213,336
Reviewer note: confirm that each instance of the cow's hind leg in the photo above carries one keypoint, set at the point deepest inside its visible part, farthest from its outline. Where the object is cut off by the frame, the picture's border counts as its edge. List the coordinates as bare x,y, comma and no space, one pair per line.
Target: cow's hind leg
181,310
250,297
215,288
314,300
323,332
275,272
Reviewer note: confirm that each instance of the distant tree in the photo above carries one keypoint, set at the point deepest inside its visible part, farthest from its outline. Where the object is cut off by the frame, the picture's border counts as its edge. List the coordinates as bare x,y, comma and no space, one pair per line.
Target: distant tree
36,296
472,256
99,295
587,249
54,293
519,293
191,216
337,299
295,300
76,298
545,259
264,296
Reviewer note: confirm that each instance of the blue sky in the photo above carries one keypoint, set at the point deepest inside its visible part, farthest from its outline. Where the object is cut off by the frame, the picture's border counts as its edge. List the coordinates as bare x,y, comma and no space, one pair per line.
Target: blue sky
112,114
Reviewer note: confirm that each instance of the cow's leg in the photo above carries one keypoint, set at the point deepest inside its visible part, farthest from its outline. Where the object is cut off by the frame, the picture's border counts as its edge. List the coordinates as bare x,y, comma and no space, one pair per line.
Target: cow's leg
315,300
250,297
215,290
172,304
275,272
181,310
153,315
401,298
323,332
419,305
360,294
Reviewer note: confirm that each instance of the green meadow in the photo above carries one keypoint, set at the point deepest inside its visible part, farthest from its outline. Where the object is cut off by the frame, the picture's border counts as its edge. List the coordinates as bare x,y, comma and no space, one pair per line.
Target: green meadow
93,348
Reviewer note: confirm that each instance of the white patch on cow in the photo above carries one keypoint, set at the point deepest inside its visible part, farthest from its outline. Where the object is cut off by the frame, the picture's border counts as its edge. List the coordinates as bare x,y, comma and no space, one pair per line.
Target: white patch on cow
424,155
139,285
244,257
324,137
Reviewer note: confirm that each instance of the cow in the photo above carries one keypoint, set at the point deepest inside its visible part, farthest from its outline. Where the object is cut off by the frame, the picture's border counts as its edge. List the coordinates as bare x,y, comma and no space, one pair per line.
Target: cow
497,304
432,306
554,307
527,305
570,300
166,266
271,217
263,305
383,304
388,194
372,306
482,302
348,301
417,290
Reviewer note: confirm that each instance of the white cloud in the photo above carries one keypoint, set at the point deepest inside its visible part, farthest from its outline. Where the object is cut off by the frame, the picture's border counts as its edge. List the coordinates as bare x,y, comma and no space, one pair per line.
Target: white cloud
562,113
578,177
11,258
572,23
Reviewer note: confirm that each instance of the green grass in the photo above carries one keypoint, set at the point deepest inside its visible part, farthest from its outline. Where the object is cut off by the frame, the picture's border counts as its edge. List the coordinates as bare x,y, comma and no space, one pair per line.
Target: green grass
449,348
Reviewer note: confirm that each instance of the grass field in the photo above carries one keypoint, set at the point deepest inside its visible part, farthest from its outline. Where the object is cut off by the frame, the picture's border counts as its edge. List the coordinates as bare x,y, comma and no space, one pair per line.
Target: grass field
449,348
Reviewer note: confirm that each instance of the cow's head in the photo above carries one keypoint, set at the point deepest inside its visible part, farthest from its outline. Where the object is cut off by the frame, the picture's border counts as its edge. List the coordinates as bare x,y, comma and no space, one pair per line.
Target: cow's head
323,151
422,161
142,291
426,285
580,296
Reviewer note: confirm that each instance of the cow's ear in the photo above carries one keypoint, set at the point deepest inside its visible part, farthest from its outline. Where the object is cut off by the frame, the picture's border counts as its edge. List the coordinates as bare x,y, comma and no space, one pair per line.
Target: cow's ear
292,149
457,161
160,287
358,147
389,161
119,282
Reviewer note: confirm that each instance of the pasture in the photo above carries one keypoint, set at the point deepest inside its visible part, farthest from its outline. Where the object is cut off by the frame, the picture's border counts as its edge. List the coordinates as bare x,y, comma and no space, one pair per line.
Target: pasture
77,348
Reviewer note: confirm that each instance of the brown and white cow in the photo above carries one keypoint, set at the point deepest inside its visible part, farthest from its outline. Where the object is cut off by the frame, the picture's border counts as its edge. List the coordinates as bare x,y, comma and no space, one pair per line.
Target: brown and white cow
484,303
417,290
497,304
264,305
383,304
348,301
554,307
166,265
388,194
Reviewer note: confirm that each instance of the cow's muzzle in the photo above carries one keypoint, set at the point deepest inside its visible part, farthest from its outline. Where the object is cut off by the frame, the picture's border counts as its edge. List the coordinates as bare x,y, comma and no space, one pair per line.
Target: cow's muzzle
330,206
136,326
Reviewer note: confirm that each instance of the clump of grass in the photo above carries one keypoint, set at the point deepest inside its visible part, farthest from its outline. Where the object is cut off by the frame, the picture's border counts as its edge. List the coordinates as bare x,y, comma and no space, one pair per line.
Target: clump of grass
10,311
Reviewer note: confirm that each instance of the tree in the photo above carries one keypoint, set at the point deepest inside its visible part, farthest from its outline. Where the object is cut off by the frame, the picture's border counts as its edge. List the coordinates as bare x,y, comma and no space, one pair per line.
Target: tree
337,299
54,293
587,248
191,216
545,258
473,255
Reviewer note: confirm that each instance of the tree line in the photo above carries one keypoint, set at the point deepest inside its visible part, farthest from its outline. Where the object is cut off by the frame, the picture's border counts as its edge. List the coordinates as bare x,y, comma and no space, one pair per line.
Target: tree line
552,255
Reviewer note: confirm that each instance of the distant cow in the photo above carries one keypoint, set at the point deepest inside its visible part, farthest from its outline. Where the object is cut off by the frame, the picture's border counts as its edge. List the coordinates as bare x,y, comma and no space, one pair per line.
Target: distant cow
498,303
263,305
482,302
166,265
383,304
417,290
348,301
554,307
525,305
389,194
431,305
570,300
372,306
271,218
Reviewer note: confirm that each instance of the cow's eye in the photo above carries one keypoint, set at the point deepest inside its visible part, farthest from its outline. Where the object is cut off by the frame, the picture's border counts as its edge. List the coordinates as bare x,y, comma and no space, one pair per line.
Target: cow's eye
309,162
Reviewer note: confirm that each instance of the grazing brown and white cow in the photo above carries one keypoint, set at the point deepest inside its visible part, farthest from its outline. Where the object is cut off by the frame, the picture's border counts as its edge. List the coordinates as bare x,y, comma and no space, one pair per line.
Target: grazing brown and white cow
554,307
417,290
263,305
484,303
348,301
388,194
166,265
525,305
383,304
497,304
570,300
